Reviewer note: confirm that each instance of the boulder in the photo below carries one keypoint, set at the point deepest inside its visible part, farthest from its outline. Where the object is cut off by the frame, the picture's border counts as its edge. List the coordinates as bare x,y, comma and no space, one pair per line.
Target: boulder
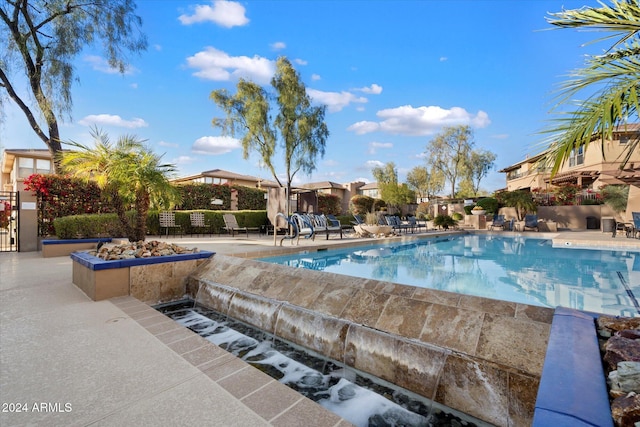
626,410
619,348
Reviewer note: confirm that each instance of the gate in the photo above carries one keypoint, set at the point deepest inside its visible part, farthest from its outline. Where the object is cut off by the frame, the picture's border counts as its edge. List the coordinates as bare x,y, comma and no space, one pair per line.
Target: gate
9,221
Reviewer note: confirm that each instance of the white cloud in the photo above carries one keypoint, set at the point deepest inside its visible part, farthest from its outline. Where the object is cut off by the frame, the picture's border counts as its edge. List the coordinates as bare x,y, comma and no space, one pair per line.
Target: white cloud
112,120
335,101
315,77
214,64
374,146
183,160
215,145
420,121
98,63
374,89
133,85
157,47
278,45
168,144
224,13
443,58
370,164
363,127
300,61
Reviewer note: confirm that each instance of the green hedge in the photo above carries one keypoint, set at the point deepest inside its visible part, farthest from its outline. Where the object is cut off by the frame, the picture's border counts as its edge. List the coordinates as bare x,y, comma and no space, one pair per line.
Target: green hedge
108,225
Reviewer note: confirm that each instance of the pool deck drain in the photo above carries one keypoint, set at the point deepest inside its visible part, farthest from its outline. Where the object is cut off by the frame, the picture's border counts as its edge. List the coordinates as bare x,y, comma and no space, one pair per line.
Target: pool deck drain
113,368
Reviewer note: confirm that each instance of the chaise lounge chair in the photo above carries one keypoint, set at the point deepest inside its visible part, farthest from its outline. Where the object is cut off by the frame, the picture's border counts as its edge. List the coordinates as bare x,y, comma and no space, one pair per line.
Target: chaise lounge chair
321,223
498,221
231,225
531,221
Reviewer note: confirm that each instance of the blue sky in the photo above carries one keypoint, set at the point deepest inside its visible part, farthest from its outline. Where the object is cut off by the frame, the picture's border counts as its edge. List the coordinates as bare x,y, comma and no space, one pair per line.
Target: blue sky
392,74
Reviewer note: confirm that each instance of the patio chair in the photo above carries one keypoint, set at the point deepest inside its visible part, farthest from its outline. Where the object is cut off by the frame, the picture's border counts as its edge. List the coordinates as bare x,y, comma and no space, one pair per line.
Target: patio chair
414,224
231,225
168,222
199,223
531,221
498,221
322,223
635,229
303,226
358,220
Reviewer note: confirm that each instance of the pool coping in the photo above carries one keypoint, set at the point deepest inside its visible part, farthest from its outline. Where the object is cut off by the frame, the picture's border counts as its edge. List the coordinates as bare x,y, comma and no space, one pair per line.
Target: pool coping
573,388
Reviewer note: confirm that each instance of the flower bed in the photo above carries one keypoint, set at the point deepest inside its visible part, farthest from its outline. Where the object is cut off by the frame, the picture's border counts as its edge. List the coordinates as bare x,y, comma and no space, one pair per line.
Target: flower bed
152,279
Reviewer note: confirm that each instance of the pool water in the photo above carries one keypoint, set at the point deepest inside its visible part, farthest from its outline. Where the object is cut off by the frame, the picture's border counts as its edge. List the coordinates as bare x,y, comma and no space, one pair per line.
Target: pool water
517,269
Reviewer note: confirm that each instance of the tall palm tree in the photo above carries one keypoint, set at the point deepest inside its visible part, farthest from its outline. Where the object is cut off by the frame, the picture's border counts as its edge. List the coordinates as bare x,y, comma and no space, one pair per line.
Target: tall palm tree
613,78
128,172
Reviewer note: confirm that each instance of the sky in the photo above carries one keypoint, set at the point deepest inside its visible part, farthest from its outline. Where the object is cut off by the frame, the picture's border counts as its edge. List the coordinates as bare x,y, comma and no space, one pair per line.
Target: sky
392,74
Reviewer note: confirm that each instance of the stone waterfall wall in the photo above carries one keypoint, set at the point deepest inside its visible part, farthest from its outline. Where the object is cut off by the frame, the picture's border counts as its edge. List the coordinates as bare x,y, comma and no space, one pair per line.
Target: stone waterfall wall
480,356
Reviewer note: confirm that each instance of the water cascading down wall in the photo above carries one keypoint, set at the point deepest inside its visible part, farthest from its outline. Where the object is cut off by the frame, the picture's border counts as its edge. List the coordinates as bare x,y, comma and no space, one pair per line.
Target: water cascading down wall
480,356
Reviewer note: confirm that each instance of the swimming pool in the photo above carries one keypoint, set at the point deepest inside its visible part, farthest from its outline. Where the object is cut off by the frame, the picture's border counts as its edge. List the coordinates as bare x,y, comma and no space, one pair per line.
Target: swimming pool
517,269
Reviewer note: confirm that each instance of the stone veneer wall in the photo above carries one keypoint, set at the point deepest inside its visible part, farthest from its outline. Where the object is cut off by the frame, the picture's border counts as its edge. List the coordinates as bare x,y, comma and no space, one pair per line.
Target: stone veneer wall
480,356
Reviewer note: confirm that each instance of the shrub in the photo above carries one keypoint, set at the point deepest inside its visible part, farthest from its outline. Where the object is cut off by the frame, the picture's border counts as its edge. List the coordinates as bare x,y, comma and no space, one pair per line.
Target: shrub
89,226
59,196
489,204
456,216
360,204
329,204
422,211
468,208
444,221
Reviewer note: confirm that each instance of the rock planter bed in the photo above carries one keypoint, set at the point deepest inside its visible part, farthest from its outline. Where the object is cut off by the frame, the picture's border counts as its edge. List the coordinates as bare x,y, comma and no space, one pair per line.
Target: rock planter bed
620,345
152,272
64,247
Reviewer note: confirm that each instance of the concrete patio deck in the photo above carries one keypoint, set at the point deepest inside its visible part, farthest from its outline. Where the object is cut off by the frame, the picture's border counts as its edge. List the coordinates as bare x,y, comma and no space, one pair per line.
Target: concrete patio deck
67,360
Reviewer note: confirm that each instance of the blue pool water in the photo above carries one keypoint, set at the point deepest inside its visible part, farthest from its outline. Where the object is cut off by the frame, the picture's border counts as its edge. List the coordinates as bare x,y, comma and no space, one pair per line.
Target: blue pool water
518,269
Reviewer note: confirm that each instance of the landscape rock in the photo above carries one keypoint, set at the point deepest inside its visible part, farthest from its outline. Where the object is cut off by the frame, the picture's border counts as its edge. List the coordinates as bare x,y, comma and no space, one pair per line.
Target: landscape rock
626,410
625,379
609,325
140,250
618,349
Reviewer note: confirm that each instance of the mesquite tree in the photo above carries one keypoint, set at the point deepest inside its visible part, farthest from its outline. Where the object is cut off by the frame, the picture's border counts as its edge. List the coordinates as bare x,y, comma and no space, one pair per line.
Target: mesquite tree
298,127
41,40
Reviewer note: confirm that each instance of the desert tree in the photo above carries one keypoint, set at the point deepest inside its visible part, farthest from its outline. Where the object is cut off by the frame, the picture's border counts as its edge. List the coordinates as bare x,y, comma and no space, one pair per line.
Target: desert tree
42,38
448,152
297,129
426,183
481,162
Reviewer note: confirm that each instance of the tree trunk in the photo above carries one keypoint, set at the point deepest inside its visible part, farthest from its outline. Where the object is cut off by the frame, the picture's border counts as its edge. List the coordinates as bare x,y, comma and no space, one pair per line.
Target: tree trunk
121,213
142,207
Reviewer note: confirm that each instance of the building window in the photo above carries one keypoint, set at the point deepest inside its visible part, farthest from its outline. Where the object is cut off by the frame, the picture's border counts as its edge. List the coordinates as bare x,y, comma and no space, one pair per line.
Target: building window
43,166
577,156
624,139
28,166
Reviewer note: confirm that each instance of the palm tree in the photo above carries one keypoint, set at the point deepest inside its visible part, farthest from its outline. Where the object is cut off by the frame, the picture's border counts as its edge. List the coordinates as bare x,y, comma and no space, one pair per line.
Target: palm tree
614,78
128,172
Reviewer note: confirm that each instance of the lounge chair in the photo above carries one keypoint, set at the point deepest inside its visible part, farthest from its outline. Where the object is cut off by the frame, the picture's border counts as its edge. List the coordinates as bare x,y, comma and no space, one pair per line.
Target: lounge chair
231,225
321,223
198,223
303,226
635,233
358,220
531,221
414,224
168,222
498,221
